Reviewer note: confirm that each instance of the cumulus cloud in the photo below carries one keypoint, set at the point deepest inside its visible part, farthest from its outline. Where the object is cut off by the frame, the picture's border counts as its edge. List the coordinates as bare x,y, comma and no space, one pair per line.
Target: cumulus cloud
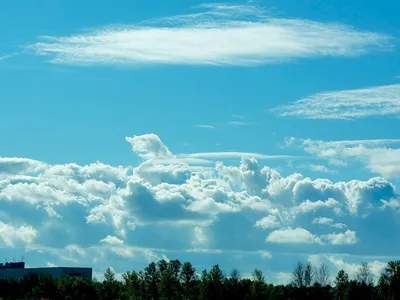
149,146
19,166
99,211
215,35
16,235
308,206
293,236
267,222
347,104
344,238
375,266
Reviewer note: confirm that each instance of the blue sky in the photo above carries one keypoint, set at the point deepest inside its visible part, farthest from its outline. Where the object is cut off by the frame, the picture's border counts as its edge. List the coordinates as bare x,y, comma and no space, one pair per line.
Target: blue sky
250,134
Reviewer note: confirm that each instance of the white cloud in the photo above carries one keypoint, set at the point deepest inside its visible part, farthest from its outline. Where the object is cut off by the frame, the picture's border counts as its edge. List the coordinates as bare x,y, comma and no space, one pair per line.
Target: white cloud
265,254
375,266
4,57
205,126
339,225
104,210
347,104
320,168
75,249
149,146
36,193
293,236
392,203
283,277
323,221
328,222
218,35
375,154
232,155
199,236
17,235
340,264
212,207
152,256
344,238
308,206
267,222
51,265
20,166
122,251
239,123
295,188
112,240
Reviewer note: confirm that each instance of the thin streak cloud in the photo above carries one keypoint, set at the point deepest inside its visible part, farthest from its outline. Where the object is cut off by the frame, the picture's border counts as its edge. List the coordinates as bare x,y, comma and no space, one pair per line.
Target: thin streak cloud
218,35
347,104
239,123
232,155
205,126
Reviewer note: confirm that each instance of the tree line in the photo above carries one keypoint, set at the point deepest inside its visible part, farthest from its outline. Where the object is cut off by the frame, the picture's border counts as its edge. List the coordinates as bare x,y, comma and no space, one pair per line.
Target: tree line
172,280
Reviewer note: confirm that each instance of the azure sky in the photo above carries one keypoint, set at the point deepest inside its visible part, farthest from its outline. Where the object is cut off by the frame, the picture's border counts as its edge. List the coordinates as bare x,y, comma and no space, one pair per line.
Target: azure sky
249,134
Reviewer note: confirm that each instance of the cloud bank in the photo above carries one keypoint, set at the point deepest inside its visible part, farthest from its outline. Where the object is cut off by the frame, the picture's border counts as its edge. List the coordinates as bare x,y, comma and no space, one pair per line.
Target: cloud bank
97,213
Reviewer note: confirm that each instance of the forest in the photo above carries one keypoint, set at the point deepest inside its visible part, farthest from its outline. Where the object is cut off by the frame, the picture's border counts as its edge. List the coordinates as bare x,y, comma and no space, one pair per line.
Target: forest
167,280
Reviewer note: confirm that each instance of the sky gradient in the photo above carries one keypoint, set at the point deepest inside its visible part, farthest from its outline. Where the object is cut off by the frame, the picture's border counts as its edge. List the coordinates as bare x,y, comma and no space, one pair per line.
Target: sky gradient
249,134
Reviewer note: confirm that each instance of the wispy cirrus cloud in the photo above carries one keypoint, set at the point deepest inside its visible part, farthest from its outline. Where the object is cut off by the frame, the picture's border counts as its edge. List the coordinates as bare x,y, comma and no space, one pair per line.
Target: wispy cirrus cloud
205,126
4,57
218,35
239,123
346,104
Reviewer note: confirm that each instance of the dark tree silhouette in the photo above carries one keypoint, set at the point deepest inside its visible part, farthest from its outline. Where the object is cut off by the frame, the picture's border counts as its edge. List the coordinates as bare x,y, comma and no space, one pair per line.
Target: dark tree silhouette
172,280
389,282
342,283
188,279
